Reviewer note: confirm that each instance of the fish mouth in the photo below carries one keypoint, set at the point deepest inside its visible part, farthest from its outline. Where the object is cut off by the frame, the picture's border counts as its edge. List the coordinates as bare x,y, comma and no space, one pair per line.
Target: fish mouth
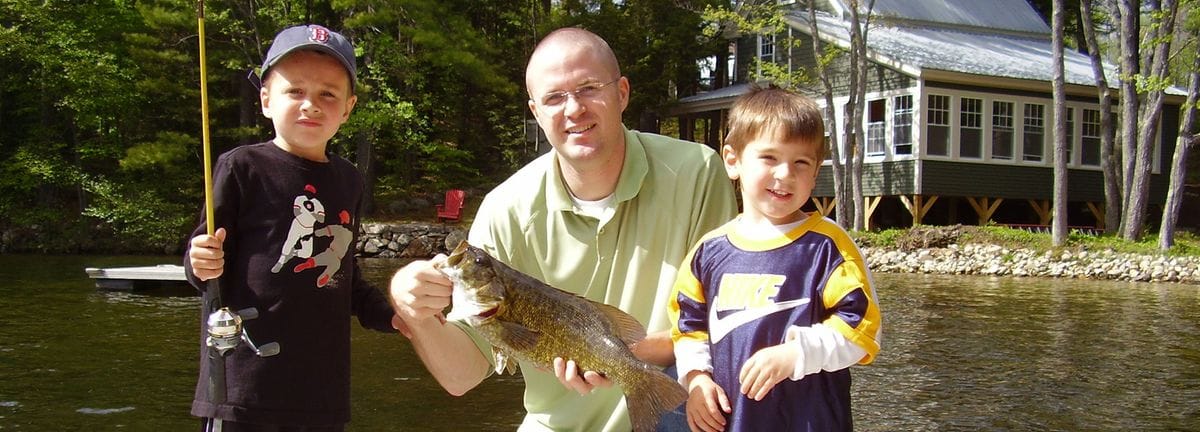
457,255
487,313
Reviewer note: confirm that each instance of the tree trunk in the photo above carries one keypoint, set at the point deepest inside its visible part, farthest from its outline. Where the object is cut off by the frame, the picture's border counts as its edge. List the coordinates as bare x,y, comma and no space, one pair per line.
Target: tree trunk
839,193
1187,139
1127,33
1148,126
1113,194
859,24
1058,228
248,108
364,157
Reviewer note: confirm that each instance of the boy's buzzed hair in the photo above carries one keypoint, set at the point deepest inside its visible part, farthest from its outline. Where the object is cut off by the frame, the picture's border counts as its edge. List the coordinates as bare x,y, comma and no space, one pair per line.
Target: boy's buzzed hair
786,115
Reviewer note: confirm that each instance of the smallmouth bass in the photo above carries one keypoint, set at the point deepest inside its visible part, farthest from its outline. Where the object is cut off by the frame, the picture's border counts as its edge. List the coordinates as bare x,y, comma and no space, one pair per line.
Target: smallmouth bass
526,319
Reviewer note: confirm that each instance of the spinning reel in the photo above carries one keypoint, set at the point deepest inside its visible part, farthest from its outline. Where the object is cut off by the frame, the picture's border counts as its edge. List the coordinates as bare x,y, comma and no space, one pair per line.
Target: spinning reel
225,332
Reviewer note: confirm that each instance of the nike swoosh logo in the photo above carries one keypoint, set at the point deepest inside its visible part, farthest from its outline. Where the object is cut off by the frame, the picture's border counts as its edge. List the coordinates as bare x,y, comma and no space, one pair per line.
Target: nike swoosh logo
718,328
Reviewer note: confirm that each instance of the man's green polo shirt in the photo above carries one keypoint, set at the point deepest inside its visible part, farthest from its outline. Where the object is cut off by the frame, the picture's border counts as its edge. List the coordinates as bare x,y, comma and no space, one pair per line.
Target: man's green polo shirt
669,194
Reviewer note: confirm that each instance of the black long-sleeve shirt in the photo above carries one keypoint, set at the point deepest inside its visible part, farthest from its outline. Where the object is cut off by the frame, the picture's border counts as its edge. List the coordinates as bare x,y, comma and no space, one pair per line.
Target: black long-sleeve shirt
292,225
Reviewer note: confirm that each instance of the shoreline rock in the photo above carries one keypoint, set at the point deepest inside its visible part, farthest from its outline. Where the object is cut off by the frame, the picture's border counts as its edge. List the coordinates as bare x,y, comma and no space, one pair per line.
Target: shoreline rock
993,260
407,240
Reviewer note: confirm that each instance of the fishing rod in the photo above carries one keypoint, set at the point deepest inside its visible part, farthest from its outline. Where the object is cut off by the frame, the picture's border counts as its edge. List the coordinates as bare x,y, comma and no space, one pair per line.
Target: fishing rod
216,357
225,331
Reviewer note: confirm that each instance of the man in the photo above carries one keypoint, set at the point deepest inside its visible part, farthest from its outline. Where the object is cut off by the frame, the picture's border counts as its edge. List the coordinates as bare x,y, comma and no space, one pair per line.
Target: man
609,215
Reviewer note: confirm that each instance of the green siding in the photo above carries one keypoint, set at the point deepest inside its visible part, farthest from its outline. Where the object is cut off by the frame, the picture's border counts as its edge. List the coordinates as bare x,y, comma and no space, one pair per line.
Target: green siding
880,179
960,179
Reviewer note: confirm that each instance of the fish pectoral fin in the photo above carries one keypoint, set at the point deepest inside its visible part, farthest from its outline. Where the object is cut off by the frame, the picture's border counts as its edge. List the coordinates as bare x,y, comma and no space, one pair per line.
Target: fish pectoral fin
624,325
504,362
519,337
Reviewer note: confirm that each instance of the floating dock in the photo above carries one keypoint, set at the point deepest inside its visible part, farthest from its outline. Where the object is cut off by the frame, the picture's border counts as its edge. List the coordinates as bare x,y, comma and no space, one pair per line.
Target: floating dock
137,278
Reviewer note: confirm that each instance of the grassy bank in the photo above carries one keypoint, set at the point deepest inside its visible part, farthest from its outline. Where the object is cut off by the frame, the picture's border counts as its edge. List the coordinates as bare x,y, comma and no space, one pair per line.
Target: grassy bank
1186,243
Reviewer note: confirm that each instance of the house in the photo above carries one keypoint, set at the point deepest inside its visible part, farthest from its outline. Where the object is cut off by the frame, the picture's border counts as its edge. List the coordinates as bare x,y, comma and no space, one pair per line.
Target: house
958,112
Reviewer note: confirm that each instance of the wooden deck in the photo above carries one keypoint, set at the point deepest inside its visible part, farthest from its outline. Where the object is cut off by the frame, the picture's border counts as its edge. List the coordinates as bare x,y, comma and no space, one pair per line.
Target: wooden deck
135,278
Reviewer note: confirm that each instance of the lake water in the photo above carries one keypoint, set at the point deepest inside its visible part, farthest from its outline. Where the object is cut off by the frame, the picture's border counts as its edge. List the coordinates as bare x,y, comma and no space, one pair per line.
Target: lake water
960,353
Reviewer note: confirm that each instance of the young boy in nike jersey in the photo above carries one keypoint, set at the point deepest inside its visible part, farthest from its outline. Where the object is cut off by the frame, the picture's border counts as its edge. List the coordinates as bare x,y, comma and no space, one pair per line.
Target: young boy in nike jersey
287,213
770,310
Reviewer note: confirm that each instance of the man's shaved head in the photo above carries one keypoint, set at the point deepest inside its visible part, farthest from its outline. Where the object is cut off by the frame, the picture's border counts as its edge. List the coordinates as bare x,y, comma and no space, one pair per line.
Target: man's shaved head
571,39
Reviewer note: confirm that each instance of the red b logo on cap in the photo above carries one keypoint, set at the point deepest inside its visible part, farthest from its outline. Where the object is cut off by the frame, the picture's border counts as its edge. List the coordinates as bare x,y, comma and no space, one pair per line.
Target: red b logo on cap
318,34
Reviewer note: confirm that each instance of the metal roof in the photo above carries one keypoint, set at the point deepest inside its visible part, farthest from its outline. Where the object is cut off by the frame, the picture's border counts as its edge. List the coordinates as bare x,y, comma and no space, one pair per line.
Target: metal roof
912,49
1013,15
988,38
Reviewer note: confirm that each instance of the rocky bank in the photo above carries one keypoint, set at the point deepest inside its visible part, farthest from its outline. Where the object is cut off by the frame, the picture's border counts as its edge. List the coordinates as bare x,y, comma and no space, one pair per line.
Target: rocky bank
978,259
931,251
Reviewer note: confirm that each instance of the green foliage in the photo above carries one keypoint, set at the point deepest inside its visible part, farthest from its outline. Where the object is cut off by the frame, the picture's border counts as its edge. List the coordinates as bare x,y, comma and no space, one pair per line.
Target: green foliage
1008,237
765,19
881,239
99,101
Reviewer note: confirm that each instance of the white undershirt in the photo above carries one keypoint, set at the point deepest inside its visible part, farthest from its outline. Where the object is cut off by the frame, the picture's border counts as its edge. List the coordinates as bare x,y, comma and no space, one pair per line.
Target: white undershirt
601,209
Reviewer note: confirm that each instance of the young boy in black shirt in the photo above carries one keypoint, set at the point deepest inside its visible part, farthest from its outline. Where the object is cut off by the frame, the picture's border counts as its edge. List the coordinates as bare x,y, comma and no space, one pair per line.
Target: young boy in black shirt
287,213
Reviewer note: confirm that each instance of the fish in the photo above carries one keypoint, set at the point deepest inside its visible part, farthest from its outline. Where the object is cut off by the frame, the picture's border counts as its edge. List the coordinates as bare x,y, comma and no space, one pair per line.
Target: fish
526,319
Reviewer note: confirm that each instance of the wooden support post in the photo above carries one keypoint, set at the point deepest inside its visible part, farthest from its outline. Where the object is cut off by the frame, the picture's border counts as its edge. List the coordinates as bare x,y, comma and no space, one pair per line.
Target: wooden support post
983,208
825,205
917,206
1097,211
869,204
1042,208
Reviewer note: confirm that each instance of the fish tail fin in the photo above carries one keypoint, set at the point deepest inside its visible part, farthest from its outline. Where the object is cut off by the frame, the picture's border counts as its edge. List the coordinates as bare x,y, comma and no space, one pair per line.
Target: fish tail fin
650,398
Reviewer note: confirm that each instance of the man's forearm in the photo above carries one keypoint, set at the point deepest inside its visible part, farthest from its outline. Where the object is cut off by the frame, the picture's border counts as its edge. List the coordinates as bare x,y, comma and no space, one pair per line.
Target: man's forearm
449,355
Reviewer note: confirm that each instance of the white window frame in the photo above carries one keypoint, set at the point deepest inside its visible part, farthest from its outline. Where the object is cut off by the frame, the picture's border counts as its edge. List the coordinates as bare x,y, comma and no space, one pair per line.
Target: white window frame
1090,130
902,121
765,43
945,112
1001,122
1033,122
965,123
876,130
1071,136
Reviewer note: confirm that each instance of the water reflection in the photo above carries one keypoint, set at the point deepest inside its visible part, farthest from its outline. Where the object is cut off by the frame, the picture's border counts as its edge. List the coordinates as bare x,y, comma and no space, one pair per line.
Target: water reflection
973,353
960,353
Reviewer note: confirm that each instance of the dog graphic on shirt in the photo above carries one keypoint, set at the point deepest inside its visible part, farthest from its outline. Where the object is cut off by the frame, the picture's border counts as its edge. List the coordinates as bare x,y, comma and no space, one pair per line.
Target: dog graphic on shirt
307,211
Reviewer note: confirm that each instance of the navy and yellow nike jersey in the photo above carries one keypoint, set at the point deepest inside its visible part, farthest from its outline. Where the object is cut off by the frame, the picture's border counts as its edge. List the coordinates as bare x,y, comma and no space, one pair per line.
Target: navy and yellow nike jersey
739,295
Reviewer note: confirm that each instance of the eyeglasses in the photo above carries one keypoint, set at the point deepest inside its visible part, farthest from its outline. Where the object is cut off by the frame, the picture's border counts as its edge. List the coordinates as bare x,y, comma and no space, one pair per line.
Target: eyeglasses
587,91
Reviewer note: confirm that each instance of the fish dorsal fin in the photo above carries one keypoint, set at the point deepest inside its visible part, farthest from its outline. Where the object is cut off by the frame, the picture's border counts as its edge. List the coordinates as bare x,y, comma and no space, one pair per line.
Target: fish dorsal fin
518,337
624,325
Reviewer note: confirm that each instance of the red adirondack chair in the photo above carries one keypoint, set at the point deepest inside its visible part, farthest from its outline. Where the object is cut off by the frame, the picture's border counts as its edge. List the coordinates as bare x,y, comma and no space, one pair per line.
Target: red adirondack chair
452,208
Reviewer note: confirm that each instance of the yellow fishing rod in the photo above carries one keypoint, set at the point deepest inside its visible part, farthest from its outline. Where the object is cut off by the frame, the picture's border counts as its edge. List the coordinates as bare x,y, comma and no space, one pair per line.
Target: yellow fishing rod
212,304
225,331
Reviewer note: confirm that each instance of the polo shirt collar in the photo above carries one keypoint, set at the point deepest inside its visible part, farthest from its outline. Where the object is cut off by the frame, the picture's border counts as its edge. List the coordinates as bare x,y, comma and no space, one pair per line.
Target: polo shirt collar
633,174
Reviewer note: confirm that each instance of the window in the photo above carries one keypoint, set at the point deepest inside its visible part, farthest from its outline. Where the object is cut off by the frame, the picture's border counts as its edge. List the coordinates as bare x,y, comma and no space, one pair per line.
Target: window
876,127
1002,130
1089,149
766,48
970,128
938,126
1070,133
1034,144
902,115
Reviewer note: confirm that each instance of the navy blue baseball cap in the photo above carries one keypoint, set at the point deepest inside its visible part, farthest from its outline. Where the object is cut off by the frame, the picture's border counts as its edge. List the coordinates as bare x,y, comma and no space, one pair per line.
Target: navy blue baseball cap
310,37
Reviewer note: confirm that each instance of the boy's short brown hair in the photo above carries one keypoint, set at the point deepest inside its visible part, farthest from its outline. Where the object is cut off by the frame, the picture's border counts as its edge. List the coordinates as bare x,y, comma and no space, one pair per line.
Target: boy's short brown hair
788,115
